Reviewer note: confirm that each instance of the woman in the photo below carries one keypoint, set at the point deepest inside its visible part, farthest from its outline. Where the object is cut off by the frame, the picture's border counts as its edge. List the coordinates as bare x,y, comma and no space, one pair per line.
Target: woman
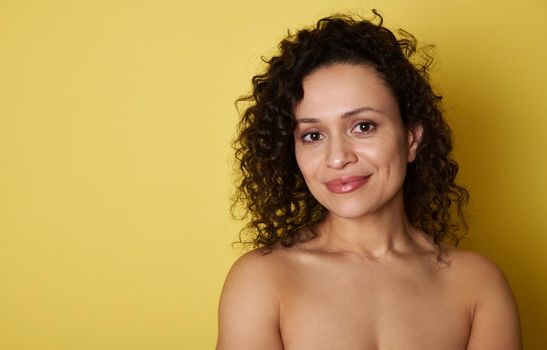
349,186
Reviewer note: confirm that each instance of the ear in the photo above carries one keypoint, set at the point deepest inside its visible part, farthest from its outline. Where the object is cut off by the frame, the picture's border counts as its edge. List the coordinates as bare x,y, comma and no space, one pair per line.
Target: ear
414,138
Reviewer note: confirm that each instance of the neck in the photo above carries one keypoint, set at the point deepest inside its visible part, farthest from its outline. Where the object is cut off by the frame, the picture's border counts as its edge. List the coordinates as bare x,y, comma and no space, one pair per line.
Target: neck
376,235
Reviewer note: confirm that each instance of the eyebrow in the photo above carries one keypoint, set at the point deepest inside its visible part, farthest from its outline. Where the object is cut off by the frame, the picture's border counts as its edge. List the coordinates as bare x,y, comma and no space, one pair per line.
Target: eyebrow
345,115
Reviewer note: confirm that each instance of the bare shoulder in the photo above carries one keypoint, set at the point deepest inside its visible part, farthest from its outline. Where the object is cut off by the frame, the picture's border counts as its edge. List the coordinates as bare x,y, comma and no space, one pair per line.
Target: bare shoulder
249,303
476,274
495,323
259,267
473,266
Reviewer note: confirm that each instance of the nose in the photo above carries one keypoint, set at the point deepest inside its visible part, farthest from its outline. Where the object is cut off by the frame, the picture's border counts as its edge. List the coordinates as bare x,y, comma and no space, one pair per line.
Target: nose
340,153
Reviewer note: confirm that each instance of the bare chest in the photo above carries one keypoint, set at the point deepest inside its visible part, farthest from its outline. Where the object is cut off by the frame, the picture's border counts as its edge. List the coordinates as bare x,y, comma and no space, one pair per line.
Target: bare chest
341,308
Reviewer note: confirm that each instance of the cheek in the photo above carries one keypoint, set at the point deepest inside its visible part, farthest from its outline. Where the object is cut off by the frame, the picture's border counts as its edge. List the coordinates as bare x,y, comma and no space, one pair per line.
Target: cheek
299,158
307,162
384,154
302,161
377,152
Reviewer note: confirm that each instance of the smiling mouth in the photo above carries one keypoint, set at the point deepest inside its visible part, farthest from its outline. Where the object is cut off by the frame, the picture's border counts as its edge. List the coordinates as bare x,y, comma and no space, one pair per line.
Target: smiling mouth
347,184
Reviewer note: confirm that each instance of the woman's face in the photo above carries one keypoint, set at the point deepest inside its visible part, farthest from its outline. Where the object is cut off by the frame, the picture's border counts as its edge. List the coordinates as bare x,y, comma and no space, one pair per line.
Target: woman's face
350,143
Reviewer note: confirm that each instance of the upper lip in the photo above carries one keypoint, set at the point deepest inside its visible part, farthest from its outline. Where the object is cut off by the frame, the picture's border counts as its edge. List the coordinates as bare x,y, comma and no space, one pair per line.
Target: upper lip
344,180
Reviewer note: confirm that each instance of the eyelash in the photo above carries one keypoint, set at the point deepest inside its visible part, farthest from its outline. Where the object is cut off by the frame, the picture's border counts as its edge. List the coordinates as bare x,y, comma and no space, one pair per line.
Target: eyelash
372,127
308,135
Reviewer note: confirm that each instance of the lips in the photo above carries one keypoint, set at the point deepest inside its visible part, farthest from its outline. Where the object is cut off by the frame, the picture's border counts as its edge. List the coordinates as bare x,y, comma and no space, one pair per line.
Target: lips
346,184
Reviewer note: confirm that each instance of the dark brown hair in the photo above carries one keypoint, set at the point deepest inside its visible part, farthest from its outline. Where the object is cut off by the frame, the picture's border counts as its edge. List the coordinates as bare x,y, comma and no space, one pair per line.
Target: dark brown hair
271,189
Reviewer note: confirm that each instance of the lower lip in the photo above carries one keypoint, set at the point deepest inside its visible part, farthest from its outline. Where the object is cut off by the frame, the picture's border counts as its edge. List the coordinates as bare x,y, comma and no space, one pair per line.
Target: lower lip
348,187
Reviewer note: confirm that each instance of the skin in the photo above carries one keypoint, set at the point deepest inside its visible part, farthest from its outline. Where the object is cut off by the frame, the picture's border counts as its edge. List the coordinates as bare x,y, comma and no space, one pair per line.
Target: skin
369,280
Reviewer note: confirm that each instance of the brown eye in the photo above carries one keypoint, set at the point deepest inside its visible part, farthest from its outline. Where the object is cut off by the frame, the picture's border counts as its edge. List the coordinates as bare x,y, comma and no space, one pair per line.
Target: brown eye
312,136
363,127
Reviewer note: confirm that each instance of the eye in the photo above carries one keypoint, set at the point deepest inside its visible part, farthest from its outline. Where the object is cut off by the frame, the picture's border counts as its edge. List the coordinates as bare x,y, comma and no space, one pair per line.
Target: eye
364,127
312,136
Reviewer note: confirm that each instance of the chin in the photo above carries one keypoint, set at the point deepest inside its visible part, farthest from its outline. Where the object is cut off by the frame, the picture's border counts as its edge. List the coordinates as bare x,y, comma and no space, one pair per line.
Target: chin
349,211
359,207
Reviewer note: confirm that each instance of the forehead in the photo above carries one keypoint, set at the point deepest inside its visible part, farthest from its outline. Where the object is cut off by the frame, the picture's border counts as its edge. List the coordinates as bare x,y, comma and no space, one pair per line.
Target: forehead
338,88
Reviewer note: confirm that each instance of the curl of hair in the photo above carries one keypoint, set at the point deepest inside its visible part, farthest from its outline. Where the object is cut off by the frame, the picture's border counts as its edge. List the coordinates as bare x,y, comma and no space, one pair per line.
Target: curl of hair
271,188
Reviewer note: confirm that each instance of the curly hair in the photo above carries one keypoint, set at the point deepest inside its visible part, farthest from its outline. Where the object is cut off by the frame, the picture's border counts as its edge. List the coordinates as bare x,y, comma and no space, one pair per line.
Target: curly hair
271,188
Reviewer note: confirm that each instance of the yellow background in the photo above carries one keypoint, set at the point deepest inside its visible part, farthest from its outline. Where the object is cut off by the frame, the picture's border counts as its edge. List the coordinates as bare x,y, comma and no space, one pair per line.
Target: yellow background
115,124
